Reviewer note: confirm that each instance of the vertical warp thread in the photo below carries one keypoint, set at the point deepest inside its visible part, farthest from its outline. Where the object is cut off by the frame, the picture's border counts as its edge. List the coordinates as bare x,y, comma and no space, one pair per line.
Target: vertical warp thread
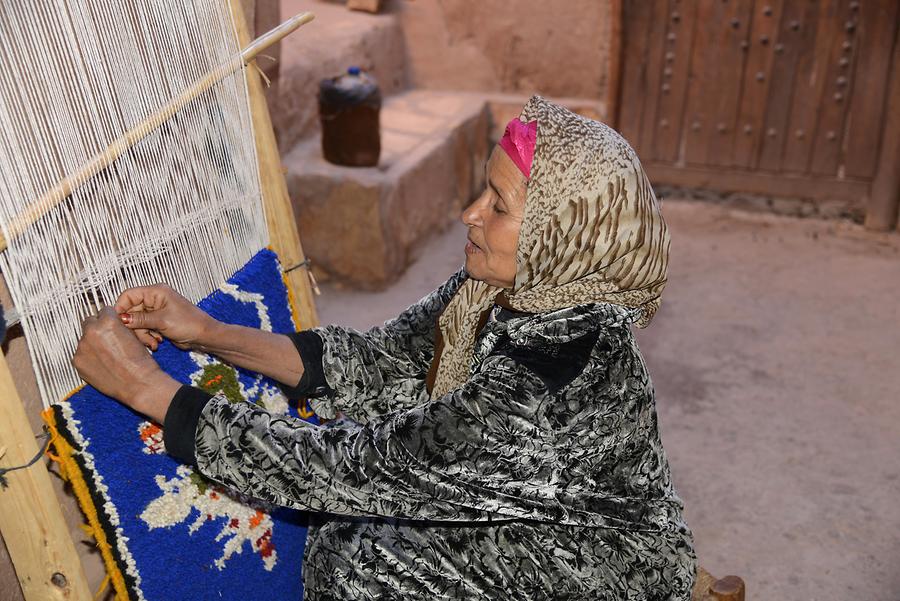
182,206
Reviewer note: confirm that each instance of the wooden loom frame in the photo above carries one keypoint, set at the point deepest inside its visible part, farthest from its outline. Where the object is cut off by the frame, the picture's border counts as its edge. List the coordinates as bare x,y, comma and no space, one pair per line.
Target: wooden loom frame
31,519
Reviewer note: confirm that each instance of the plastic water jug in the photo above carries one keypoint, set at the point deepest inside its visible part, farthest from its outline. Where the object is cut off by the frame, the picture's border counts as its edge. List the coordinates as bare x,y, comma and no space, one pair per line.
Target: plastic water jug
349,108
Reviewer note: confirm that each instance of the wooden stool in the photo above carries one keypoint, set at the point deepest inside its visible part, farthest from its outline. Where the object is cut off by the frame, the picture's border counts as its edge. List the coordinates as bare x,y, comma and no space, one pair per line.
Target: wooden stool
708,588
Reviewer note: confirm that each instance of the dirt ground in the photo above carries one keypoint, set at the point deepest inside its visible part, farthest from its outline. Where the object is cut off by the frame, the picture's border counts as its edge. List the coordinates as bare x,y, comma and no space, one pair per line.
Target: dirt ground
776,360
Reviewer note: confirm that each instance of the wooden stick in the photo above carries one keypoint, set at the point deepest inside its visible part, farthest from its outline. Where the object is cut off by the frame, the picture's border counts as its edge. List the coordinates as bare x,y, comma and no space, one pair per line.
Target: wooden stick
280,219
31,520
105,158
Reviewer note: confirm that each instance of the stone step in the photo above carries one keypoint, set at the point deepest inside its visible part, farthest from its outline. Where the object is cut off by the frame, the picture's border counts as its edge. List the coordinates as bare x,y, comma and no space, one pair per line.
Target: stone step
359,224
335,40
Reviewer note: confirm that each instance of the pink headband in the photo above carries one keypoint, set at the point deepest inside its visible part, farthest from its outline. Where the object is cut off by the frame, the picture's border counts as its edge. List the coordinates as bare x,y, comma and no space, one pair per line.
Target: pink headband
518,141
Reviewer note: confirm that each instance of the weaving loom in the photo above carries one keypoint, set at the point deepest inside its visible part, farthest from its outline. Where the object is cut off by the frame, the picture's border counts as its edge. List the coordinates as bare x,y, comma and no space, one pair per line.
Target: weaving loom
135,148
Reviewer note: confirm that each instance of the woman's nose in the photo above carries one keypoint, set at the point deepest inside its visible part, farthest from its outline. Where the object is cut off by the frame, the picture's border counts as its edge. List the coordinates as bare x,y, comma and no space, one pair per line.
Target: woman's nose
472,215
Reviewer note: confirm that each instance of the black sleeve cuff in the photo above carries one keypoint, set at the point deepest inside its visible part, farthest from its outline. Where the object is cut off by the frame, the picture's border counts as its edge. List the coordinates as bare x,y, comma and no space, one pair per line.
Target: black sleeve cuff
312,382
180,424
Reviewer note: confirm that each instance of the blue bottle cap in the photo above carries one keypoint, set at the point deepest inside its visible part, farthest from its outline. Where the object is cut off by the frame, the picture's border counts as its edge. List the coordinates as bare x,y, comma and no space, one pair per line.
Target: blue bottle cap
354,70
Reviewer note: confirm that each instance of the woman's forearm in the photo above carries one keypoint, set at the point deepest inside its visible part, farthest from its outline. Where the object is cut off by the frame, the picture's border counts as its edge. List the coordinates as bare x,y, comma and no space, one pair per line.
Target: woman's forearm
272,355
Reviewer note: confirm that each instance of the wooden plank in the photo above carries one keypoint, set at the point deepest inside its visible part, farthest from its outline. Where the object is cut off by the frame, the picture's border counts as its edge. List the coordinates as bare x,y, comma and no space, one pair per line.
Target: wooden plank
884,203
660,38
614,65
794,44
839,80
731,180
810,85
282,224
731,57
636,15
757,82
676,73
703,71
877,31
31,520
716,67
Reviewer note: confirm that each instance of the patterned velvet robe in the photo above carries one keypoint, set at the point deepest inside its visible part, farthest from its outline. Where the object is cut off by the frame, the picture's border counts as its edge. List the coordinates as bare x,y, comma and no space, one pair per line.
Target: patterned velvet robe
543,477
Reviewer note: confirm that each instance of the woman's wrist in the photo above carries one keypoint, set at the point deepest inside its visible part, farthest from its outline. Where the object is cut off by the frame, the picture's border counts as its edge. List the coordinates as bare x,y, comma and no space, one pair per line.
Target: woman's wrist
211,338
154,395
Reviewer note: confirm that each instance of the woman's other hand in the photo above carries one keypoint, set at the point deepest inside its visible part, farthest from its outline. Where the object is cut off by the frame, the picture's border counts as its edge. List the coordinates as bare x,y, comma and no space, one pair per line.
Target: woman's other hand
157,311
110,359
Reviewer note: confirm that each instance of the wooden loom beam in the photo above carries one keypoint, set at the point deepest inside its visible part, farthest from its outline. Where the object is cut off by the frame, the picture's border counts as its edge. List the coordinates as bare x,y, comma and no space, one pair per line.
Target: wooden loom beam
282,225
31,520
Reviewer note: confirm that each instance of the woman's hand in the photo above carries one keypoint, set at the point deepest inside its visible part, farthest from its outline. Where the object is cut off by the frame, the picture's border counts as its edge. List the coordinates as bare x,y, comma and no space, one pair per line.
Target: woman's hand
152,312
110,359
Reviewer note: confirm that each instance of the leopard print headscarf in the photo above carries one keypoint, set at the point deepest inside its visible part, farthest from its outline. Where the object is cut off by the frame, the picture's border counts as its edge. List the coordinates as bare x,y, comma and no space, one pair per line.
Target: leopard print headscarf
592,232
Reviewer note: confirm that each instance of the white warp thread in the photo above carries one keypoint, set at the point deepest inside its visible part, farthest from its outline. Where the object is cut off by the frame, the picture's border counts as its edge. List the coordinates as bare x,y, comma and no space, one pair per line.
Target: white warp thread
183,206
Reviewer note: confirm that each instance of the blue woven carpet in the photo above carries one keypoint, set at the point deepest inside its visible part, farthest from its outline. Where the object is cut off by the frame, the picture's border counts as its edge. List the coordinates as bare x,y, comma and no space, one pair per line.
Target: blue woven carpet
173,534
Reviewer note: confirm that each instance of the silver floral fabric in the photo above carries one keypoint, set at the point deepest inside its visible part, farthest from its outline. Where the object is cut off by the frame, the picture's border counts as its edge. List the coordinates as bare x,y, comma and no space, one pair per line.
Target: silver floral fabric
533,480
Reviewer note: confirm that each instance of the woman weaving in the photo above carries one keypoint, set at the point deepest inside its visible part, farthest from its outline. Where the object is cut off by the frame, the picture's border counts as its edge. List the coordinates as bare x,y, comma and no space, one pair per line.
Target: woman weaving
496,440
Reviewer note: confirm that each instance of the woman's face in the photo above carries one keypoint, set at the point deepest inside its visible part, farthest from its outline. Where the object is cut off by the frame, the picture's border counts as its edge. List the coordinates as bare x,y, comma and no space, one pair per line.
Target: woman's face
494,220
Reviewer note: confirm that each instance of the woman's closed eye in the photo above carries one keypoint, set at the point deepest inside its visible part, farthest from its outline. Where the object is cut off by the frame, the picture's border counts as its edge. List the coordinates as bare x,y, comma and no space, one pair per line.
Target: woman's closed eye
498,204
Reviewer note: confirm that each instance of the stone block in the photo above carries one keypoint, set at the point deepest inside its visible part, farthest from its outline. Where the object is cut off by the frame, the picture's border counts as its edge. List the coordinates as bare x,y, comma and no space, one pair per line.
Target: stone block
360,225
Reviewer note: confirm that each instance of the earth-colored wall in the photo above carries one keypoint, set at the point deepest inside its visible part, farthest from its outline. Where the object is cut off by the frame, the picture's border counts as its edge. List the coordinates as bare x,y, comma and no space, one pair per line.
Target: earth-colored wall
558,48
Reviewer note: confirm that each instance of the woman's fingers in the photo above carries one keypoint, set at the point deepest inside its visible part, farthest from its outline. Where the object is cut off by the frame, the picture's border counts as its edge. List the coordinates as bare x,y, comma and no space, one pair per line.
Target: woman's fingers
144,298
144,320
163,312
131,300
148,339
87,321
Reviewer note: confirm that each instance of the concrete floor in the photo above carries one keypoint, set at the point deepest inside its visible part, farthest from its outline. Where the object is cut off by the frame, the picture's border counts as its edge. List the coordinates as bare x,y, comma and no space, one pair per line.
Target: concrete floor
776,360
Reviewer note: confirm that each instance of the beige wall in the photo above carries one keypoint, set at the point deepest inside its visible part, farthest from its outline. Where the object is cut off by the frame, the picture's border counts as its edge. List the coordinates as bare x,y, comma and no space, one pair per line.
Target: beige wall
557,48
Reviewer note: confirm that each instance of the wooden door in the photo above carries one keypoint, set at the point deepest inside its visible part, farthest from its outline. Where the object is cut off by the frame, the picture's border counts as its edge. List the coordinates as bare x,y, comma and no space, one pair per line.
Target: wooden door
778,97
